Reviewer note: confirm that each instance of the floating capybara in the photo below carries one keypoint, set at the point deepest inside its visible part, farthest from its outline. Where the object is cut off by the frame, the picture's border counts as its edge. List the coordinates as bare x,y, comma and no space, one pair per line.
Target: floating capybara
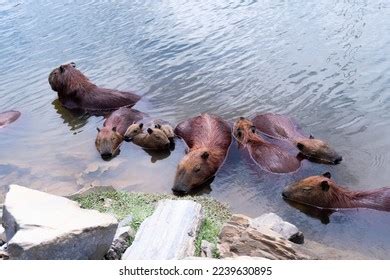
208,138
323,192
284,128
268,156
76,91
153,138
111,135
8,117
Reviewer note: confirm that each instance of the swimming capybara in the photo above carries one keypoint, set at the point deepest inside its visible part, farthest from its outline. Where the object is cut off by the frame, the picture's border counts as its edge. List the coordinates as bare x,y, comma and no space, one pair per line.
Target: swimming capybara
153,138
76,91
284,128
111,135
208,138
8,117
323,192
268,156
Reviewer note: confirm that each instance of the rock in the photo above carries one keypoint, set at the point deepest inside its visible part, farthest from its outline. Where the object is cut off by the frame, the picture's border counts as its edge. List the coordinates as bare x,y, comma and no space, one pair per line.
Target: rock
239,238
277,224
207,249
44,226
169,233
123,237
2,235
126,221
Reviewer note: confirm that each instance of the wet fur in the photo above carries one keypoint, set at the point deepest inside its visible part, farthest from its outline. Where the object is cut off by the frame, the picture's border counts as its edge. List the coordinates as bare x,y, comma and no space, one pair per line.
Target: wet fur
76,91
323,192
284,128
203,134
268,156
111,135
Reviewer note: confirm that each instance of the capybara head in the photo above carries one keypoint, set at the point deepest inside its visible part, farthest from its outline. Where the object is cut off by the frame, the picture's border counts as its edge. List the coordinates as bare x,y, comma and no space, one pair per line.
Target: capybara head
318,150
67,77
133,130
194,170
314,190
242,129
107,142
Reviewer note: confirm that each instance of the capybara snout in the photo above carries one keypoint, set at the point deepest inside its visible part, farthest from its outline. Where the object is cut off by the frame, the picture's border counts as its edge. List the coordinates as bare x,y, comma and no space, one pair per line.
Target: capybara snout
318,150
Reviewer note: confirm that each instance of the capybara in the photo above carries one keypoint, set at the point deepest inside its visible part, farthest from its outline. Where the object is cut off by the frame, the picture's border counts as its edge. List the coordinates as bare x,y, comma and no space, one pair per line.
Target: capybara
322,191
8,117
268,156
111,135
153,138
76,91
284,128
208,138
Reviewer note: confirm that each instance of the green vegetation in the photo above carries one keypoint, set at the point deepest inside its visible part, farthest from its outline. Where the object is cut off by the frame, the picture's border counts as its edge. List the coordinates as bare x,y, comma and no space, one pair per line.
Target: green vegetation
141,206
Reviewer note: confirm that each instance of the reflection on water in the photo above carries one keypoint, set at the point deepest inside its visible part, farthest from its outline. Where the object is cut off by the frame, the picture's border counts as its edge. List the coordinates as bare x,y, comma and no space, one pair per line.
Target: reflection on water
324,63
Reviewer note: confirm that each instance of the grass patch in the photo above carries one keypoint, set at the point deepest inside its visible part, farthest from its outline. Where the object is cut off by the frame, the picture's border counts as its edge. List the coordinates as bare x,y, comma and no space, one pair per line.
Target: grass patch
142,205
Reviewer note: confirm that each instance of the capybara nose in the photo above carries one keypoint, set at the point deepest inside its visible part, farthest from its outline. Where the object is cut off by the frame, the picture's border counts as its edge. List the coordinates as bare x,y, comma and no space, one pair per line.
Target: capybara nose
106,156
338,160
284,195
179,190
127,139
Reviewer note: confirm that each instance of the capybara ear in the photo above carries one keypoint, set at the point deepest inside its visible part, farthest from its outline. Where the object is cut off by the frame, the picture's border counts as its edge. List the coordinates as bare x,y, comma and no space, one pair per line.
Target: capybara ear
73,64
253,128
300,146
311,136
141,125
114,129
98,129
158,126
242,118
205,155
325,186
327,175
62,69
150,131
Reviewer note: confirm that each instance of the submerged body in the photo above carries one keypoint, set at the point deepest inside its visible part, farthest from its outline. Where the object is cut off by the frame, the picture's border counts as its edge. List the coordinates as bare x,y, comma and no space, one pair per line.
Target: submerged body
76,91
208,138
284,128
323,192
268,156
111,135
8,117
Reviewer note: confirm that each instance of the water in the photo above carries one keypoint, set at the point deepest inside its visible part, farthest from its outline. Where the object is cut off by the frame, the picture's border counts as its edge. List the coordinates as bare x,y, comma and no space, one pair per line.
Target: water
322,62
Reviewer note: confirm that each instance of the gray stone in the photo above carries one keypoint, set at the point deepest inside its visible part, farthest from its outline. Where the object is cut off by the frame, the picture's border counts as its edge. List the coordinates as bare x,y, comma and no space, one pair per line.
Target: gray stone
44,226
169,233
123,237
207,249
3,238
126,221
277,224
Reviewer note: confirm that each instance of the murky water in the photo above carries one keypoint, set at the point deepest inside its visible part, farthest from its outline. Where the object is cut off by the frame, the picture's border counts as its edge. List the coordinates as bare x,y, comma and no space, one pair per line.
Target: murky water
325,63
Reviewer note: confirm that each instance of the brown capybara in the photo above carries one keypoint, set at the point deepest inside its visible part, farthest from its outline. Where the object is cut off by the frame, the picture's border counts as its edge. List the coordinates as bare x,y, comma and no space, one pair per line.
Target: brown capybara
153,138
8,117
268,156
208,138
323,192
111,135
76,91
284,128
